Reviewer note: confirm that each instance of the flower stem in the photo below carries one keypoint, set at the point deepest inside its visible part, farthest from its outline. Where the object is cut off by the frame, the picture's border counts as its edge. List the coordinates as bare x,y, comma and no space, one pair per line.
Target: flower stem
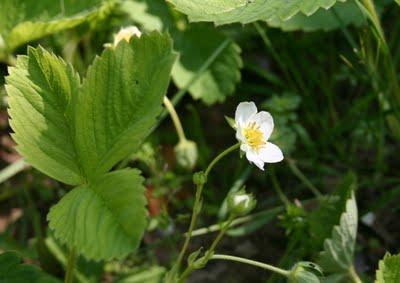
175,119
353,275
197,205
69,274
252,262
220,156
12,170
210,251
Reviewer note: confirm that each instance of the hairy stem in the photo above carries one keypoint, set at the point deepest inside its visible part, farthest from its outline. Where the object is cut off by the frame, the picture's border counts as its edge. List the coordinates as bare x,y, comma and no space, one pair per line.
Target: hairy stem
175,119
354,276
69,274
12,170
197,205
252,262
208,254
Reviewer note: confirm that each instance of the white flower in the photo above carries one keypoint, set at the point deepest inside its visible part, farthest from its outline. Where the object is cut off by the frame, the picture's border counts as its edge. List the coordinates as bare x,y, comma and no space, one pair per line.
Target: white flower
126,34
253,130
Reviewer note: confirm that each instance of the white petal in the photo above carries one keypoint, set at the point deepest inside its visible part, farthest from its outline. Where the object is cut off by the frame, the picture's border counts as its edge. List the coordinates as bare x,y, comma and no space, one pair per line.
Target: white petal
239,134
264,120
255,158
244,111
244,147
271,153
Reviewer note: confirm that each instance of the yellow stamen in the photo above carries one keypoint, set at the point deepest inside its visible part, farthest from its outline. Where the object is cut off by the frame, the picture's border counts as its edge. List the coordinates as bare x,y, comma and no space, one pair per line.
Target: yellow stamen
254,136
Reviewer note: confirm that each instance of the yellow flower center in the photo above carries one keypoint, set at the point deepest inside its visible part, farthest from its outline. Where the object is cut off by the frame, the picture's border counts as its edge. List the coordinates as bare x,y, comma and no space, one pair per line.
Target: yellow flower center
254,136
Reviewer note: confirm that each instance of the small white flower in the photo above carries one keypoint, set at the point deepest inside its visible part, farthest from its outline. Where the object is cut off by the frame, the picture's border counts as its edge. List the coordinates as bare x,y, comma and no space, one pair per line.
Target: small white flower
253,130
126,34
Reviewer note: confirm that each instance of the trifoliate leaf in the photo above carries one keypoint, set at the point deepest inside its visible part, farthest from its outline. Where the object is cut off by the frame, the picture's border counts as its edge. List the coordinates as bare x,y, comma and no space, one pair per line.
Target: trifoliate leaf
195,46
338,253
72,137
246,11
22,21
389,269
120,99
41,89
105,219
342,14
12,270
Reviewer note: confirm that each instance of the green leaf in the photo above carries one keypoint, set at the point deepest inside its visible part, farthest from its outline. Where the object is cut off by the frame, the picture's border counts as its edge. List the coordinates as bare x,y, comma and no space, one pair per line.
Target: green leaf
41,88
12,270
246,11
389,269
338,253
120,100
342,14
397,1
105,219
305,272
72,132
195,46
149,14
22,21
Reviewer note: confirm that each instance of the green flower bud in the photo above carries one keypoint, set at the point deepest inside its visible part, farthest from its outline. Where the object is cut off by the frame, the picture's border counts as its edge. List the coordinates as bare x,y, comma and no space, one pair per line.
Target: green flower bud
305,272
186,153
199,178
241,203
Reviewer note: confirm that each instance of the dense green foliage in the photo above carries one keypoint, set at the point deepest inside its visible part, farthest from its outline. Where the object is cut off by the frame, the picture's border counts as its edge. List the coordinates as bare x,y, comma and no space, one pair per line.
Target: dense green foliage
130,131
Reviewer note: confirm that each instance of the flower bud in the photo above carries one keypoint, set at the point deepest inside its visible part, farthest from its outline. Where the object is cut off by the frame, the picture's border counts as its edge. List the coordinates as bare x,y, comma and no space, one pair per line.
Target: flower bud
305,272
186,153
199,178
241,203
126,34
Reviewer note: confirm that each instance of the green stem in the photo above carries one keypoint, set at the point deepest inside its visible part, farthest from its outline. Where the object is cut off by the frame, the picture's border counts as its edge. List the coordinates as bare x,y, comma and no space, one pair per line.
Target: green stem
353,275
210,251
262,265
296,171
69,274
12,170
219,157
175,119
197,205
278,189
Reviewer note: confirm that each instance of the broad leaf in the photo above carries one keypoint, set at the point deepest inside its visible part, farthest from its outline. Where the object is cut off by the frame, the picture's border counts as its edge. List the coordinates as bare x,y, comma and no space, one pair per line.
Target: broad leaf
397,1
342,14
246,11
22,21
12,270
389,269
120,100
72,132
195,46
105,219
338,253
40,89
